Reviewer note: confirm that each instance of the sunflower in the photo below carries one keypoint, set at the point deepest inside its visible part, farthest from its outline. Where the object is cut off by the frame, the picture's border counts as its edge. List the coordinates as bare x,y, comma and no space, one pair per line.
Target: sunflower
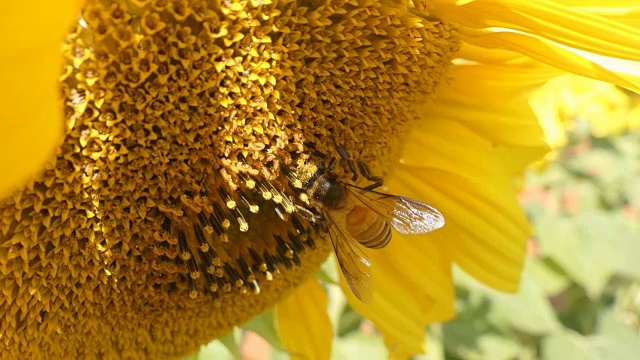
169,213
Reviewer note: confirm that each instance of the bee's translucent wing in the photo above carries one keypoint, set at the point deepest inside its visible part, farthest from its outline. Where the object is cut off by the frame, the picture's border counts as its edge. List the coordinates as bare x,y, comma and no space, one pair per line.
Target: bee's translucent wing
415,217
354,263
407,216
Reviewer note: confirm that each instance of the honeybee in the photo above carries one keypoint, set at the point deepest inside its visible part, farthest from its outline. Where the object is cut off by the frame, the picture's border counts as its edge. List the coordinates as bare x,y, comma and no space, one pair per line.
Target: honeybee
360,216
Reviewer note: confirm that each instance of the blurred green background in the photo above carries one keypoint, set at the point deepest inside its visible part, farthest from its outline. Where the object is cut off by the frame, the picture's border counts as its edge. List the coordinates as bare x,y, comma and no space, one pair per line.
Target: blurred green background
580,292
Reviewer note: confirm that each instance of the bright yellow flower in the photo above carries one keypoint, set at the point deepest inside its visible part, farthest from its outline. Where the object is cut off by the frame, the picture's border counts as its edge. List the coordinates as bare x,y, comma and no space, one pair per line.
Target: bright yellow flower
157,226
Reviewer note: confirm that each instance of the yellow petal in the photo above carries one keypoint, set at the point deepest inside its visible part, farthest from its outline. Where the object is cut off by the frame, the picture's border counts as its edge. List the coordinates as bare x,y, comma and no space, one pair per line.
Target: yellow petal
492,103
30,64
303,323
486,229
559,35
485,97
514,159
411,276
623,11
550,20
598,68
493,83
487,56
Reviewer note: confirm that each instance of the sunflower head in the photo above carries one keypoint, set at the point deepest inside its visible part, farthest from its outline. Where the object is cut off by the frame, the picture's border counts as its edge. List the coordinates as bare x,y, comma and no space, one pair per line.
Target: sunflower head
168,215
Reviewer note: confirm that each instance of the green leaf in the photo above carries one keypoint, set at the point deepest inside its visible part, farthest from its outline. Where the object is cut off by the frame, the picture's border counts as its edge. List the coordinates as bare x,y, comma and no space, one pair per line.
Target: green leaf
489,324
627,248
359,346
528,310
214,350
470,336
614,340
349,321
497,347
586,246
576,310
550,279
226,348
278,354
232,342
565,346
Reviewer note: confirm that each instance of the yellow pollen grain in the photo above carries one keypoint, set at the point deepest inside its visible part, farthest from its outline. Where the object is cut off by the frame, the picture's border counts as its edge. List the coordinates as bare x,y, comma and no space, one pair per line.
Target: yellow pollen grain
244,226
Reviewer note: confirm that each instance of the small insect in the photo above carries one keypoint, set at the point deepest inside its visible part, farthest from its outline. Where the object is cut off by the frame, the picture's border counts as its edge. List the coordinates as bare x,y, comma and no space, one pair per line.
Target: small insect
355,216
